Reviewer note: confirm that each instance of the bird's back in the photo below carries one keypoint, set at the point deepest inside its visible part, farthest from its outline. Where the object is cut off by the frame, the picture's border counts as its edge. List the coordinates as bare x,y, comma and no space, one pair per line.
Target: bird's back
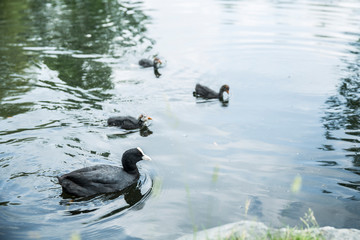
96,179
205,92
146,63
125,122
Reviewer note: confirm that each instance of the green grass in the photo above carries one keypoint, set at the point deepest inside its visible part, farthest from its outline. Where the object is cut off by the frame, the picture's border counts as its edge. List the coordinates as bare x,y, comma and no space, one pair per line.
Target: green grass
294,234
289,234
309,232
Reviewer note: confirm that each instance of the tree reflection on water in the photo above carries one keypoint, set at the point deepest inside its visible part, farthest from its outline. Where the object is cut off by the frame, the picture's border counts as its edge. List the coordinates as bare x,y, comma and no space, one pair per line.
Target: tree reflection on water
69,38
342,120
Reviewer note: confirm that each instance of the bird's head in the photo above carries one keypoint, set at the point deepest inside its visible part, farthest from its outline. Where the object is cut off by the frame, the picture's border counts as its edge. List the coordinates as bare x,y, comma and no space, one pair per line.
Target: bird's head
143,118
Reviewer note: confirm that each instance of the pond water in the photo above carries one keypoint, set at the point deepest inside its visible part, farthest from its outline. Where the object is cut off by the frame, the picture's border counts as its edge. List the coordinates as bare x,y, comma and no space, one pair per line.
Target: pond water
287,141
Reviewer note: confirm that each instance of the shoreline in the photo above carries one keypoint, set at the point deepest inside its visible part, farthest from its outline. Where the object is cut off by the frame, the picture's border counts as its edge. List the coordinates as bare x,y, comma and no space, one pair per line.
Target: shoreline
251,230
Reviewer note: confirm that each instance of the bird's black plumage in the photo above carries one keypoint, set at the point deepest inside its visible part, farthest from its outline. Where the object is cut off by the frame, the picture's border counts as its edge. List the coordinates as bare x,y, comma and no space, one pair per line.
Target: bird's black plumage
99,179
128,122
207,93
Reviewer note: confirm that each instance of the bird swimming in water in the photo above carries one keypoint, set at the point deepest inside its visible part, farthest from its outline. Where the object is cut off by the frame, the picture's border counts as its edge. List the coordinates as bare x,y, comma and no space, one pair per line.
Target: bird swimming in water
145,63
100,179
150,63
207,93
128,122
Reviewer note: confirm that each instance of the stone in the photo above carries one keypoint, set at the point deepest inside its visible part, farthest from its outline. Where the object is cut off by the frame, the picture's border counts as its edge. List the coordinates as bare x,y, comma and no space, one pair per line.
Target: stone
250,230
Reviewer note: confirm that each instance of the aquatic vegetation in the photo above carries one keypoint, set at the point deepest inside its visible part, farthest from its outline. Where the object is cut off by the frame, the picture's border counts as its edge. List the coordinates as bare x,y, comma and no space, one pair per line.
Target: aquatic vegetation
296,185
75,236
215,175
157,186
247,206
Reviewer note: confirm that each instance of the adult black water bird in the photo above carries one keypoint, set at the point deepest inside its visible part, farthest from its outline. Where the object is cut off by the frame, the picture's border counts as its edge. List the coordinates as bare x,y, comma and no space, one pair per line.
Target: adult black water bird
128,122
99,179
207,93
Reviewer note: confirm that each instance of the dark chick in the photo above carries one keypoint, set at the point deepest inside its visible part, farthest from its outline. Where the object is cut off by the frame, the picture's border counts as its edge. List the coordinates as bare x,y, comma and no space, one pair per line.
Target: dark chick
207,93
128,122
155,64
150,63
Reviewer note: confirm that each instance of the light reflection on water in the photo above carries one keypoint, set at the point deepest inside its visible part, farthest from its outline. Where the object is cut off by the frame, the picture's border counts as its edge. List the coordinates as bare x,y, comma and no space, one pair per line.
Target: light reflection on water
293,73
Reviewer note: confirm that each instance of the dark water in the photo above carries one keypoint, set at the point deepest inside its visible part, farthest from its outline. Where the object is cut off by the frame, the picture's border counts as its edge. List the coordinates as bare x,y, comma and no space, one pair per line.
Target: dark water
294,113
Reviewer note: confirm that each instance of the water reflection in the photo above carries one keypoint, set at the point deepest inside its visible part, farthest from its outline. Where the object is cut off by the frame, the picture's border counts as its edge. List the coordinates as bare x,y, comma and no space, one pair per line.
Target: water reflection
94,27
109,204
342,121
223,103
14,61
83,73
144,132
68,37
157,73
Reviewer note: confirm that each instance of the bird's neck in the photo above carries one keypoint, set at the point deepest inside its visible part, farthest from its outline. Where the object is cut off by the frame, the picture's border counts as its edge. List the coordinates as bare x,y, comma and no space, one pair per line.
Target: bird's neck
132,170
221,94
141,123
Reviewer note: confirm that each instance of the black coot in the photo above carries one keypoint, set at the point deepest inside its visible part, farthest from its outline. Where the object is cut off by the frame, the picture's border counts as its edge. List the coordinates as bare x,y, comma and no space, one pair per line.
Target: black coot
148,63
128,122
98,179
207,93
